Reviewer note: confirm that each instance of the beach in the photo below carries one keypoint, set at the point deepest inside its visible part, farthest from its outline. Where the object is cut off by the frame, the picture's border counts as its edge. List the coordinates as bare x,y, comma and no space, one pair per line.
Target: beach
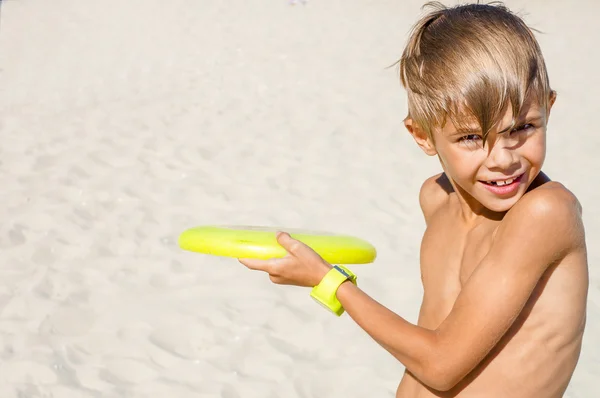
126,122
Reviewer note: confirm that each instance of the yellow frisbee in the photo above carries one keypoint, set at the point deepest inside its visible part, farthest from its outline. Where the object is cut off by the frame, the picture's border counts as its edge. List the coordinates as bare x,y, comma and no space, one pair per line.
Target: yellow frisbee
260,243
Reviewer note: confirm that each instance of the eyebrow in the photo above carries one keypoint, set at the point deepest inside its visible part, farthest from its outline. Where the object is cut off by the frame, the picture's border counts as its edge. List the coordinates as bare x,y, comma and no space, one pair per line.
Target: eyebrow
477,130
466,131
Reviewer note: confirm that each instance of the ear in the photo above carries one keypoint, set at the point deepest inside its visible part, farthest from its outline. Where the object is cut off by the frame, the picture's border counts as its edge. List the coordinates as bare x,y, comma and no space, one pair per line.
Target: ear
550,103
420,136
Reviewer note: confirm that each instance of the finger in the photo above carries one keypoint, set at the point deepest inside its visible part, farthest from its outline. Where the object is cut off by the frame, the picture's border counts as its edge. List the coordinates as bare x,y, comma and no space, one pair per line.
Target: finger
257,265
290,244
280,280
296,248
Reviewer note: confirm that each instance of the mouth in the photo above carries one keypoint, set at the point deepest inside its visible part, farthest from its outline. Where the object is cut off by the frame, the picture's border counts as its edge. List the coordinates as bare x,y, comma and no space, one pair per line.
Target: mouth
501,183
503,186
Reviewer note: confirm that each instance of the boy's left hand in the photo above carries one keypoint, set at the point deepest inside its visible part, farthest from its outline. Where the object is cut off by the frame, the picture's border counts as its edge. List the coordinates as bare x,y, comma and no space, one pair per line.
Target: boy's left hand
302,266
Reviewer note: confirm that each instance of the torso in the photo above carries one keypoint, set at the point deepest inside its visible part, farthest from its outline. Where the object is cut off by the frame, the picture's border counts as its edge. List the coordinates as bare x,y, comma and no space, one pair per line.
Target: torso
538,354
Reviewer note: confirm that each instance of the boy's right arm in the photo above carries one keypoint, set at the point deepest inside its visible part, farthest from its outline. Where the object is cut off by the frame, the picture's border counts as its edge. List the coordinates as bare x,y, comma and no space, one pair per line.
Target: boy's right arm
433,311
432,196
434,307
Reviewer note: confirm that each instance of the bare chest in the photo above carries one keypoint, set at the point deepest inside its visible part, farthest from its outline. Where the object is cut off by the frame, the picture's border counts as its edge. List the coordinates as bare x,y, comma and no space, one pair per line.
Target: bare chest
454,250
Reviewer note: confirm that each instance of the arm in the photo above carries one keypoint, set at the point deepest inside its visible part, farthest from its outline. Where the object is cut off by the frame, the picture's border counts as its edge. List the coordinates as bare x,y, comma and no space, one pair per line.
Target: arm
540,230
434,305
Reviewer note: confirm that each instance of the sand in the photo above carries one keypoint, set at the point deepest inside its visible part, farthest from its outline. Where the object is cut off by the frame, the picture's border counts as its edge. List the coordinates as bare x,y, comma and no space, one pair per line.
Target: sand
125,122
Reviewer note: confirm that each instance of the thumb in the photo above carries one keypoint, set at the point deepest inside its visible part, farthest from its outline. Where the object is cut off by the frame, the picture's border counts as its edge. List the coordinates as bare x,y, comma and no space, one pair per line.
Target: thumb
288,243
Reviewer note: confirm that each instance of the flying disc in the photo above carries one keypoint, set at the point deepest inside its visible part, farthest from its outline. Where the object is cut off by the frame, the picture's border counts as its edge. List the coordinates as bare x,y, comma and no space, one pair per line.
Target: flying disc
260,243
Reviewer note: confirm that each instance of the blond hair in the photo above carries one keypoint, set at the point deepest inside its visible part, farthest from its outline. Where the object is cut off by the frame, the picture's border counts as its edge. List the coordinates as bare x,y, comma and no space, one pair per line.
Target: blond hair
473,60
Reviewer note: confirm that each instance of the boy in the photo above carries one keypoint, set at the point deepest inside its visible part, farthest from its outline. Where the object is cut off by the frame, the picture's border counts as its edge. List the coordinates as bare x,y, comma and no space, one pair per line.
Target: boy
503,258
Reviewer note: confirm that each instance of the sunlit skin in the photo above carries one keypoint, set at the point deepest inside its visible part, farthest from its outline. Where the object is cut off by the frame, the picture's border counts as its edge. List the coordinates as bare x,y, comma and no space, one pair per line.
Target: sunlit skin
503,267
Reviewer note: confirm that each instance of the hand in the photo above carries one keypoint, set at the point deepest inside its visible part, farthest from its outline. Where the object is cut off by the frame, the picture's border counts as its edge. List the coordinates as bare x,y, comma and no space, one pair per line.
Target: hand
302,266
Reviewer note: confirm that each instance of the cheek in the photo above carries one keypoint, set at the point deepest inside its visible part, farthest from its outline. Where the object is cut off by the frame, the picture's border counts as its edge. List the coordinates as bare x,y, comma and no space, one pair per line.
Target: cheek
462,163
535,149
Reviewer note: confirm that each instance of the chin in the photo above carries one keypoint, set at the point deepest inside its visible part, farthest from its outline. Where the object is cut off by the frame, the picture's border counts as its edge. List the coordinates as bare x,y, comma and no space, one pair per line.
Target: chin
501,205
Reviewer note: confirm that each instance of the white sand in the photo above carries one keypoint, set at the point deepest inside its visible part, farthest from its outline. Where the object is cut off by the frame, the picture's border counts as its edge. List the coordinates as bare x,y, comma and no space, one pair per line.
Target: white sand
125,122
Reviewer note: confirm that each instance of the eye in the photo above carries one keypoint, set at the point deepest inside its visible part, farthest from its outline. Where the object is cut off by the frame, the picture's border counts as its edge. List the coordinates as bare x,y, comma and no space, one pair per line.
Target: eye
471,141
470,137
523,127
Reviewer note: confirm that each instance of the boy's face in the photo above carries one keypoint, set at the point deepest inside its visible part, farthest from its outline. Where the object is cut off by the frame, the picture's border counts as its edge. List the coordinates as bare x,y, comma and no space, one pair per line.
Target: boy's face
495,174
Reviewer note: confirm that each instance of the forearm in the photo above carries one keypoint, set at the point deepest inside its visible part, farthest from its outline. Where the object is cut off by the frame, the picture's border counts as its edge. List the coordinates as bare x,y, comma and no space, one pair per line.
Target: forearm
413,346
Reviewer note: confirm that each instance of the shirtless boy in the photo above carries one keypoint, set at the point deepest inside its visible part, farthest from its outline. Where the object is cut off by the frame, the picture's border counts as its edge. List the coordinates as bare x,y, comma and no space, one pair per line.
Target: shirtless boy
503,258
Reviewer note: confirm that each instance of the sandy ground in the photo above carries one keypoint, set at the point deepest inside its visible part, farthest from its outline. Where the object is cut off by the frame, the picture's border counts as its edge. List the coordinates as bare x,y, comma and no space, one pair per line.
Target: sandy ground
125,122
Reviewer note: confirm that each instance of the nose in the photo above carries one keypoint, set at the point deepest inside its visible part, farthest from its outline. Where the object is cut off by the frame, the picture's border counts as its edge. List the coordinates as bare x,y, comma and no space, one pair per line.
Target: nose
501,157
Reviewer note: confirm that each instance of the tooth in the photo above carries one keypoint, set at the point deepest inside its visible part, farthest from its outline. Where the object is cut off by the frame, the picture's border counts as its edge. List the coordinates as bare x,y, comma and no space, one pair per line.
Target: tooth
500,183
509,181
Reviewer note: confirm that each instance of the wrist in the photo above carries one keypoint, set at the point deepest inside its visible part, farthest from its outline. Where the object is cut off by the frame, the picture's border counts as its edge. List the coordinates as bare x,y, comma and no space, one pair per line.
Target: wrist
325,292
321,273
343,290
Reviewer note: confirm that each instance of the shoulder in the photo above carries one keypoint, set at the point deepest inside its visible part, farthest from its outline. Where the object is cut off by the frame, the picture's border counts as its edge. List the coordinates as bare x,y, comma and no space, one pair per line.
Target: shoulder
549,214
433,194
551,201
